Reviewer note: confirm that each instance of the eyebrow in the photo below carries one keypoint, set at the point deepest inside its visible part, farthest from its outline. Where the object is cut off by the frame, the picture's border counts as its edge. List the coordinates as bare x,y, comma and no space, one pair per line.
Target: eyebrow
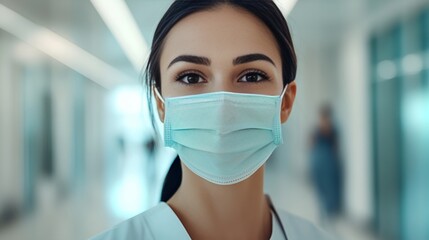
252,57
238,60
191,59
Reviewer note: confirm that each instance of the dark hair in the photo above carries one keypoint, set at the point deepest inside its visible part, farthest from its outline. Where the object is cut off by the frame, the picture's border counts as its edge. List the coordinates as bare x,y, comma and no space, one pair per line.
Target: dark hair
326,111
265,10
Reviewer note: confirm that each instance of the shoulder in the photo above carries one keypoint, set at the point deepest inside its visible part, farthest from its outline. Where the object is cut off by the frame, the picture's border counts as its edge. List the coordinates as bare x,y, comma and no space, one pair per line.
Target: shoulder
141,226
135,227
299,228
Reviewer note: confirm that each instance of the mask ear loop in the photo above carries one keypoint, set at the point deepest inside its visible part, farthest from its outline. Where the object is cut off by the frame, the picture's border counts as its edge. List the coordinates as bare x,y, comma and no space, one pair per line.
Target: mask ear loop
158,95
278,139
283,92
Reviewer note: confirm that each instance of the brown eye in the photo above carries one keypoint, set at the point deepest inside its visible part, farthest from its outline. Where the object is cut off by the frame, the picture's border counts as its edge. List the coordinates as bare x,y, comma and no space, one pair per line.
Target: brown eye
254,76
190,78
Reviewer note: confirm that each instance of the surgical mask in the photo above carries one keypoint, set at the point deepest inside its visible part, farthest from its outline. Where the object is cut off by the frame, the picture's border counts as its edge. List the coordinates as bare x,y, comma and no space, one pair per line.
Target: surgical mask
223,137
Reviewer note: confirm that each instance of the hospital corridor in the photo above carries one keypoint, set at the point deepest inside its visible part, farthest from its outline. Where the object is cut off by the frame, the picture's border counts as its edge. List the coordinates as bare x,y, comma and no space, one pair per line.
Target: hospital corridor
82,148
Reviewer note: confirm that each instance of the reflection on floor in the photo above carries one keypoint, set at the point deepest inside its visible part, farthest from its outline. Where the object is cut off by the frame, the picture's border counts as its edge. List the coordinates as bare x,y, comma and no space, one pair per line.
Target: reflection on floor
87,212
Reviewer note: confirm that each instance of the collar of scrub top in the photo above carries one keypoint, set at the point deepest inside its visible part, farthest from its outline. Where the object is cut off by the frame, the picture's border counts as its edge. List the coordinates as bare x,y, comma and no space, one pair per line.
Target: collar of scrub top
276,215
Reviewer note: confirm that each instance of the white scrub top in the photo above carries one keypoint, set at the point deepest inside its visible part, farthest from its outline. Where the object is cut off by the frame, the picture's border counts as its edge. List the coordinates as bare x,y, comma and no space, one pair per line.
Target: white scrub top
160,222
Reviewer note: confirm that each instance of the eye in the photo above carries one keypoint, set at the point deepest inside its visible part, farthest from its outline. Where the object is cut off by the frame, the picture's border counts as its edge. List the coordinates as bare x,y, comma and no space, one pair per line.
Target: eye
253,76
190,78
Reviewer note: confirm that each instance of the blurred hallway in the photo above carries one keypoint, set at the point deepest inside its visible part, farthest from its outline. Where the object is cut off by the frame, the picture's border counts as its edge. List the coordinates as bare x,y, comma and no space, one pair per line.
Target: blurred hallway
78,152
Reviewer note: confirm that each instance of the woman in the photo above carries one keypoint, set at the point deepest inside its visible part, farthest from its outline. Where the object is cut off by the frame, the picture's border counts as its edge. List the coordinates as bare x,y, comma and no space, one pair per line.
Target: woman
223,77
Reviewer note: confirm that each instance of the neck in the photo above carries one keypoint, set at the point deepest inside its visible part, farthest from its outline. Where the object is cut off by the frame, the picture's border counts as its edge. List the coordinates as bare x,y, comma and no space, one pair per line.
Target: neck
210,211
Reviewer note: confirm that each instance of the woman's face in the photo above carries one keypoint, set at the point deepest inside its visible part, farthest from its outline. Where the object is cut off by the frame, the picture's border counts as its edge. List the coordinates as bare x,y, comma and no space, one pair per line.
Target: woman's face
225,49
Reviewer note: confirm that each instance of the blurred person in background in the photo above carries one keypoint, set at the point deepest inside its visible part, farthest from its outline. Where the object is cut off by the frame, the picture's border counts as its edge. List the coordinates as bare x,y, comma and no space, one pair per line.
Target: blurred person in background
326,171
150,147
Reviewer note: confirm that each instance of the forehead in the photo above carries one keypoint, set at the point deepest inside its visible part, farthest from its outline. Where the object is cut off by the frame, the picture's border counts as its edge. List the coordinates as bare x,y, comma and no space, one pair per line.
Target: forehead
221,33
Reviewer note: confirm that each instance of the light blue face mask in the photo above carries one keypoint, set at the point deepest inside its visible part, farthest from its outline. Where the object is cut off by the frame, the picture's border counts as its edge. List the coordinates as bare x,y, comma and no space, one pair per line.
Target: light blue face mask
223,137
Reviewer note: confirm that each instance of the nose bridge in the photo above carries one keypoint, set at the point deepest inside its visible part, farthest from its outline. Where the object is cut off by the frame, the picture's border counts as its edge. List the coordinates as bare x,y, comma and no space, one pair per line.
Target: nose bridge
222,82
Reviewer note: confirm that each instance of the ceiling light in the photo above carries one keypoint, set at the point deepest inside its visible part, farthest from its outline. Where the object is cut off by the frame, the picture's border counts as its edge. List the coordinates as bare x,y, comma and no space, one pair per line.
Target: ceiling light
386,70
61,49
120,21
412,64
286,6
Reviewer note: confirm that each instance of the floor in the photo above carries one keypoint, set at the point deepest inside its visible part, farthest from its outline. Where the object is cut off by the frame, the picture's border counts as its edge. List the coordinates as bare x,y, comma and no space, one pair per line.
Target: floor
87,212
290,189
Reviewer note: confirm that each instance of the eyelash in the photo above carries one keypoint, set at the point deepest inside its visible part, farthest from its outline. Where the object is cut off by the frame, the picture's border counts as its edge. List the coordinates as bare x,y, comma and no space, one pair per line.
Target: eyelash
262,74
187,73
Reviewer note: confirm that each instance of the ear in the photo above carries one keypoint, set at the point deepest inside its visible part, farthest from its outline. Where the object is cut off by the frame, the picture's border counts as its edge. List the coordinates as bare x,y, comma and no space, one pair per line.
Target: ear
287,102
159,105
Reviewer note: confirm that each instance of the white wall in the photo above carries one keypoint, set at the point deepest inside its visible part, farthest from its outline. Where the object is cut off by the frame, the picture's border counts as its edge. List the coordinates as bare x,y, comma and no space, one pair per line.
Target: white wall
354,114
10,124
15,56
